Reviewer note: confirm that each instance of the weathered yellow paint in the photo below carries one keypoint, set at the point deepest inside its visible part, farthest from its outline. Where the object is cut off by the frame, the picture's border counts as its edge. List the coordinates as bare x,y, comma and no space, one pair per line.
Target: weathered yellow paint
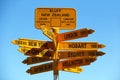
74,70
42,53
48,32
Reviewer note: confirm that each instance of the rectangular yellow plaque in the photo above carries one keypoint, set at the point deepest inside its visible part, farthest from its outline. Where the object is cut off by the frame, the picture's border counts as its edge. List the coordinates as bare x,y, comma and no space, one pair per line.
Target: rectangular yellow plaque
64,18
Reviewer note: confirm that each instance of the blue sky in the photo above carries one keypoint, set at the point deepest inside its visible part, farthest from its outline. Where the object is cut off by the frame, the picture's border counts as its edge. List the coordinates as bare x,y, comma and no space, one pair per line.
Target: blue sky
17,21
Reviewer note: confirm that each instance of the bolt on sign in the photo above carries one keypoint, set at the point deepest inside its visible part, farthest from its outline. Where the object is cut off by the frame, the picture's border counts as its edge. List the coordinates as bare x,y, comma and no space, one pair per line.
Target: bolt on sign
64,18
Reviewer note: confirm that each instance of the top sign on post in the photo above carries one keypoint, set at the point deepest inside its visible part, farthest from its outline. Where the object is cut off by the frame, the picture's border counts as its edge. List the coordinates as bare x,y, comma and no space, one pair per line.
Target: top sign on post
64,18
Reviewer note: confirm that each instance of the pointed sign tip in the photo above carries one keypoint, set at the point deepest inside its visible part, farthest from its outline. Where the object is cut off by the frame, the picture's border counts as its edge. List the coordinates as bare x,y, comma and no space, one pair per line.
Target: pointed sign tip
101,46
28,71
25,61
13,42
91,31
100,53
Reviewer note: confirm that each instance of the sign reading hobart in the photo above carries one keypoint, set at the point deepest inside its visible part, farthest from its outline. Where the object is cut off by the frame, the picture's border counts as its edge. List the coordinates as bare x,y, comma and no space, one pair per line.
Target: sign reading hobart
64,18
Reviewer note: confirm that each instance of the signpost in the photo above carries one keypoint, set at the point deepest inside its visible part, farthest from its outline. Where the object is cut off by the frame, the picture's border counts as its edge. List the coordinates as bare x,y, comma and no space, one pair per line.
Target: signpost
58,55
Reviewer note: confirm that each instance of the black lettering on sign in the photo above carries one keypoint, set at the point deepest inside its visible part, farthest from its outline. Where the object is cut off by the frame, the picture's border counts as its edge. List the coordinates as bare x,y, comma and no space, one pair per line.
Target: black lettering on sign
70,35
55,10
42,22
49,54
66,63
50,34
75,54
43,18
54,14
87,60
76,62
83,32
66,15
18,42
32,43
93,46
68,18
77,45
72,63
41,44
45,14
33,51
92,54
34,59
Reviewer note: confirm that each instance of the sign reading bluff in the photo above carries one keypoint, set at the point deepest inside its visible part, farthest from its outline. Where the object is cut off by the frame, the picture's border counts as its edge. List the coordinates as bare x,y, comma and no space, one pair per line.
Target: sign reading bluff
64,18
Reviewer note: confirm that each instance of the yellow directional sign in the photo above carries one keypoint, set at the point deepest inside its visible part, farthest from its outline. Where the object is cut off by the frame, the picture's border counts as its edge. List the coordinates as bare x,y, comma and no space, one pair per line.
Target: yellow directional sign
33,60
42,53
80,53
24,49
34,52
64,18
33,43
80,46
48,32
40,68
74,34
75,62
74,70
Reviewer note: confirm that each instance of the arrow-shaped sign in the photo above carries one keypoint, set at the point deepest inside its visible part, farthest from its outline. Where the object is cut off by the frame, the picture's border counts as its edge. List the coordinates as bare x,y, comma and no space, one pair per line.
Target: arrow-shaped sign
74,70
36,51
80,46
74,34
48,32
75,62
80,53
33,43
33,60
40,68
